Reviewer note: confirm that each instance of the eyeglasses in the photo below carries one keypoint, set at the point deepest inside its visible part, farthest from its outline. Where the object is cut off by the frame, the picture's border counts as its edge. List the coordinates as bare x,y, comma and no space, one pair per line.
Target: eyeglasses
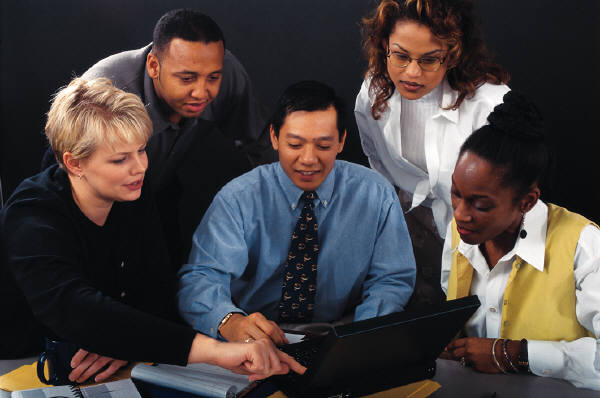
428,63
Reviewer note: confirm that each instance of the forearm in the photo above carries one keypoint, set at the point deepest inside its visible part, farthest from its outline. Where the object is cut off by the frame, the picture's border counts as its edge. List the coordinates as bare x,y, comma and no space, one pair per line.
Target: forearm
204,298
577,361
203,349
382,300
114,329
392,271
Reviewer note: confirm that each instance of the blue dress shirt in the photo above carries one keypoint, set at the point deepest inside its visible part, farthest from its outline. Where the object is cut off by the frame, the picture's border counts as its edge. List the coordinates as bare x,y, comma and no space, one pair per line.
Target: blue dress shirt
239,250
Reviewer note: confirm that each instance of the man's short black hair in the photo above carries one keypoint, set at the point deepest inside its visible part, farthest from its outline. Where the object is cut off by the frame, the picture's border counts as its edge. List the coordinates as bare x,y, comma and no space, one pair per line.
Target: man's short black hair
308,95
186,24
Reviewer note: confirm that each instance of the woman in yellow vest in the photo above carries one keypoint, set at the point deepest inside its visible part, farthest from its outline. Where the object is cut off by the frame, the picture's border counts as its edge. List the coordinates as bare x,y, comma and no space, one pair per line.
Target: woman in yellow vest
534,266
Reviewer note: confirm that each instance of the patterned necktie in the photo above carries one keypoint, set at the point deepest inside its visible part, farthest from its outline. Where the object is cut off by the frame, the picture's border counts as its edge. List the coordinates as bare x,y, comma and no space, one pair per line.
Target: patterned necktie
300,275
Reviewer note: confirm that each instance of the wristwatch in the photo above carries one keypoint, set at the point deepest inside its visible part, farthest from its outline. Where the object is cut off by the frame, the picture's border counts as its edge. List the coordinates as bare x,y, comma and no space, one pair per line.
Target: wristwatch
523,357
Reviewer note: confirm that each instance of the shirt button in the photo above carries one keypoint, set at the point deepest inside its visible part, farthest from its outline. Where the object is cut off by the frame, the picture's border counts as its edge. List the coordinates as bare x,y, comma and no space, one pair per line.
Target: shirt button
492,309
293,205
325,203
123,294
505,302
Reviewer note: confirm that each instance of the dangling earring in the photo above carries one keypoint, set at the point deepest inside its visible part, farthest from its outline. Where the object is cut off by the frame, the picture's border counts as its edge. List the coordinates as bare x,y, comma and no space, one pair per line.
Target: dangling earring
523,233
79,176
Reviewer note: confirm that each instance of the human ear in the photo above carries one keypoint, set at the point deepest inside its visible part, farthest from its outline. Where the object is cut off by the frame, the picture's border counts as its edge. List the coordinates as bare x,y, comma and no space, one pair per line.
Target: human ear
384,45
73,165
274,139
342,142
530,199
152,65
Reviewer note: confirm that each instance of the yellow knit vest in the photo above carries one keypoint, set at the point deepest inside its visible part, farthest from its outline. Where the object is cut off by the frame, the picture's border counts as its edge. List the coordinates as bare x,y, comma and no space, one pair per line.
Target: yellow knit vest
536,305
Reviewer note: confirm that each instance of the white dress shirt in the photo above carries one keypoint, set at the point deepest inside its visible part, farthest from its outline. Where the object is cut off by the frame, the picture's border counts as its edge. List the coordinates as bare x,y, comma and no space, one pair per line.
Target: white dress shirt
577,361
445,132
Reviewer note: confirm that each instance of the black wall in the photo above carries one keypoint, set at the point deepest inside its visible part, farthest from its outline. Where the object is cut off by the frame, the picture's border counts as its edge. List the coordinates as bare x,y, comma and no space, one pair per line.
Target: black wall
551,48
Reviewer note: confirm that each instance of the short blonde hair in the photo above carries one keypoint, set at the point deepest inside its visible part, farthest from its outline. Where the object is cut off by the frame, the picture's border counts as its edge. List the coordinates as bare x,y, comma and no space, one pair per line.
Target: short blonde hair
86,114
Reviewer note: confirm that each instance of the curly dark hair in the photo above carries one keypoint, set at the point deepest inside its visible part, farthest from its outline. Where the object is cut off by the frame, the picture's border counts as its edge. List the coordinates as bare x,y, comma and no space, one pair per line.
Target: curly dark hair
454,22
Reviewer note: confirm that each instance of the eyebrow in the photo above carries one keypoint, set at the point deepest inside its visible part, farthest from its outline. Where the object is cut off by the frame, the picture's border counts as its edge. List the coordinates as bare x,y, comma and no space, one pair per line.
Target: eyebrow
318,139
471,196
427,53
126,153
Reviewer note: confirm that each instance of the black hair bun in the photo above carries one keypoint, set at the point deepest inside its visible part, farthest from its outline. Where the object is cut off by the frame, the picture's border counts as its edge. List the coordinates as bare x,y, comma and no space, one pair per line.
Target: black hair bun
517,117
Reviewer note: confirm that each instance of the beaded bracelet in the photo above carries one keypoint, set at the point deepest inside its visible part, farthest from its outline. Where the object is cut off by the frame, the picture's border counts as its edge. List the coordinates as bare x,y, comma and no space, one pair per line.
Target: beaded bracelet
512,365
495,359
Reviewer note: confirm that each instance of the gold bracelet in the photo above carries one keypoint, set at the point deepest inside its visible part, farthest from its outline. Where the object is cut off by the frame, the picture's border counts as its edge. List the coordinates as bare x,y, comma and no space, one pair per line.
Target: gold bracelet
495,359
225,319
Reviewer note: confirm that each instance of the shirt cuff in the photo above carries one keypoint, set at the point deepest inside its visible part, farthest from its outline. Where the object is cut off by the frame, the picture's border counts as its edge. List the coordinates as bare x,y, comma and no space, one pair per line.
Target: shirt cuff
546,358
209,324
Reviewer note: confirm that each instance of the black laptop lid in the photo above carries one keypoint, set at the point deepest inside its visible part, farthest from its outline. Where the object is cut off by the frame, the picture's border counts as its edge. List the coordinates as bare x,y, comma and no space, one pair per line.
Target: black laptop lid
393,341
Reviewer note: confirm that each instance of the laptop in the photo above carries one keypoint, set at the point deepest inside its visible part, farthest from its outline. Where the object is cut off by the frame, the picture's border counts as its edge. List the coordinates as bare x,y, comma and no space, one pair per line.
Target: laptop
375,354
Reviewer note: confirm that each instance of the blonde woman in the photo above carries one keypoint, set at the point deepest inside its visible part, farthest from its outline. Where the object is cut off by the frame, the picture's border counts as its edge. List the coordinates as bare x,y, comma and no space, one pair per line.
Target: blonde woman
85,259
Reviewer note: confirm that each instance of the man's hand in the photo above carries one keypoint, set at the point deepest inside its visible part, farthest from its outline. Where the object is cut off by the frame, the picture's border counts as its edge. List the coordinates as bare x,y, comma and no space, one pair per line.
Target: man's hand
258,359
86,364
255,326
477,352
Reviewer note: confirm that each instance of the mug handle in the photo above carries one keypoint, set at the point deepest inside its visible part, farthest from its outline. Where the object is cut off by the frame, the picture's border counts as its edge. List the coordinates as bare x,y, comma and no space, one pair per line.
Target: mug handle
40,368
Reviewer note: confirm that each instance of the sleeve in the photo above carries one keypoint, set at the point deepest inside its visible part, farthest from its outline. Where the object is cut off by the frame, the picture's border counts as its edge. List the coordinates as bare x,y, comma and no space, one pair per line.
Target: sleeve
44,254
219,252
391,277
446,259
240,115
577,361
367,129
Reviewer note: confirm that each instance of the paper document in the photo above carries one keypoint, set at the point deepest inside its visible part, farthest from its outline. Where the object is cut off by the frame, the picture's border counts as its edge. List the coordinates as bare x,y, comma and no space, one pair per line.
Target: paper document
294,338
114,389
199,378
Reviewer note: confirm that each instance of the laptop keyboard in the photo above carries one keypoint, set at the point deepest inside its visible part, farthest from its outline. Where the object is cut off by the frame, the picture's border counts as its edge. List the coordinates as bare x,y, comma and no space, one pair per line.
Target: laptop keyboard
303,352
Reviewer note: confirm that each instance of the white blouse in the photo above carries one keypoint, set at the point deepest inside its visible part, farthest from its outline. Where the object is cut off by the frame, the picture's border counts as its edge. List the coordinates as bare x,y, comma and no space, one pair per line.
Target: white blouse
444,133
577,361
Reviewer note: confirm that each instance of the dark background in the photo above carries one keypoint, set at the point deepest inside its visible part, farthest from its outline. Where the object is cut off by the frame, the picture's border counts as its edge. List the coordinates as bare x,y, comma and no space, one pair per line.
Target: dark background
551,48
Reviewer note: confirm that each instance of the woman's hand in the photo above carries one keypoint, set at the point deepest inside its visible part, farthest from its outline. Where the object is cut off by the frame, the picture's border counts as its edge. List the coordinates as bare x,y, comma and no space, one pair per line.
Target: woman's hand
477,352
258,359
86,364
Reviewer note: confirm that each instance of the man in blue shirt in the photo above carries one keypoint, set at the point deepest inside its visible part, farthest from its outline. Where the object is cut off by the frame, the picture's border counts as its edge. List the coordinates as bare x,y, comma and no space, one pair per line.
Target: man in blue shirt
241,248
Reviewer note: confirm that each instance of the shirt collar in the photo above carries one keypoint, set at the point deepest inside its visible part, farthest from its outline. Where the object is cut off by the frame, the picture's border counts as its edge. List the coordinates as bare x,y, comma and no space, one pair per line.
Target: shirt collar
293,193
532,248
449,96
159,119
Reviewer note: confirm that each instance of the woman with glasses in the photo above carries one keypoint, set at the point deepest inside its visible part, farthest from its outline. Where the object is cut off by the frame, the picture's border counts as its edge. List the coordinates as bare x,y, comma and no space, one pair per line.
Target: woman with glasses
83,259
430,84
534,266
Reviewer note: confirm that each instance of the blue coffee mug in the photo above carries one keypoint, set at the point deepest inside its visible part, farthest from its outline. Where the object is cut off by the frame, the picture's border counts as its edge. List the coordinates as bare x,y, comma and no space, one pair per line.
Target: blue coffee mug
58,355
